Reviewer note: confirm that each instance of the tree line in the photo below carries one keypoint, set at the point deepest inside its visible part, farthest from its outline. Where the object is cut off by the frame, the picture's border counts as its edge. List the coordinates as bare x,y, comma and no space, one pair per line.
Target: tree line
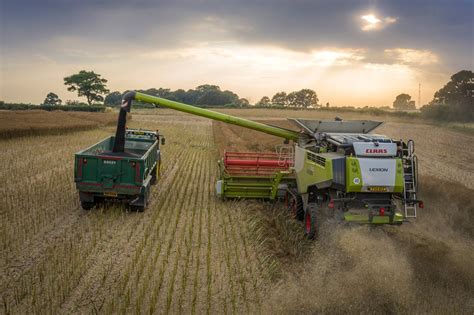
305,98
454,101
203,95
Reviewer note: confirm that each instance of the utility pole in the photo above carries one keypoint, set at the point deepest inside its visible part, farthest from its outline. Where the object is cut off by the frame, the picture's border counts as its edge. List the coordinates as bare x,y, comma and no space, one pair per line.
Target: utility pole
419,94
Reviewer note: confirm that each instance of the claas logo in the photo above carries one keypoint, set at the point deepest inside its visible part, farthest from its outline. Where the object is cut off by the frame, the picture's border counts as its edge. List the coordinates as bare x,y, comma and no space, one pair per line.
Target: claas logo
372,151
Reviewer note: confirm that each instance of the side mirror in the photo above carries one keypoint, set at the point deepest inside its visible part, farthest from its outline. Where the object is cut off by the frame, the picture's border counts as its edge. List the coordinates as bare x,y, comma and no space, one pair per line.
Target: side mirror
163,141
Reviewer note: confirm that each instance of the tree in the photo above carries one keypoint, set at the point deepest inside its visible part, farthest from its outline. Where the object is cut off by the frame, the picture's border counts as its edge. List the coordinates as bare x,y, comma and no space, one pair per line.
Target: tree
454,101
179,96
213,95
403,102
264,101
52,99
243,102
207,88
216,97
113,99
88,84
280,98
459,91
303,99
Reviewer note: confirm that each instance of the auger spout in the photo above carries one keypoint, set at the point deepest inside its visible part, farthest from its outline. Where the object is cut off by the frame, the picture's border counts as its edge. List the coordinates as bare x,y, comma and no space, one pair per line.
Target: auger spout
246,123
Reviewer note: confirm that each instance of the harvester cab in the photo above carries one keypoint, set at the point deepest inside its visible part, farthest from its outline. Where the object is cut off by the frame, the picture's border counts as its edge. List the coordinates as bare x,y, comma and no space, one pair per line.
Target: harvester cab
368,178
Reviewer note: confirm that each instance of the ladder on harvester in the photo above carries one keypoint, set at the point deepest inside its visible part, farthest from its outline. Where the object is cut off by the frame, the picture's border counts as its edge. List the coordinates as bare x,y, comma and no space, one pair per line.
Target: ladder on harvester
410,164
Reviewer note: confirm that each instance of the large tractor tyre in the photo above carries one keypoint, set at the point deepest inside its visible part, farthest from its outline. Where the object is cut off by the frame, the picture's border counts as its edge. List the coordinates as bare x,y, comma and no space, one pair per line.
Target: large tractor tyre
311,222
142,202
140,205
296,207
87,205
154,175
299,215
137,208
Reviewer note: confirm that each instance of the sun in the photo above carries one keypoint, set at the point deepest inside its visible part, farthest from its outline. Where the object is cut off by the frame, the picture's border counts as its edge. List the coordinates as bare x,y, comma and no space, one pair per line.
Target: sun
373,22
371,19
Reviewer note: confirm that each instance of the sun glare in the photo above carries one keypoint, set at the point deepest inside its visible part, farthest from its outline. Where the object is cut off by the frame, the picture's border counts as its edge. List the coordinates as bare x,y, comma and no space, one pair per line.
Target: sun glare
372,22
371,19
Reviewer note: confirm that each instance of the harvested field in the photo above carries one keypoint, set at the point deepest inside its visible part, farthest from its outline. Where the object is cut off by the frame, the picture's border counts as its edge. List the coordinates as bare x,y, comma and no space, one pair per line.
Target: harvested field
39,122
191,253
187,253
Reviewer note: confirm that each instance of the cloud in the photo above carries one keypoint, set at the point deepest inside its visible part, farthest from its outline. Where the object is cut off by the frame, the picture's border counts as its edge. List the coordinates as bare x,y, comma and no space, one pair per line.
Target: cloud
412,56
372,22
337,57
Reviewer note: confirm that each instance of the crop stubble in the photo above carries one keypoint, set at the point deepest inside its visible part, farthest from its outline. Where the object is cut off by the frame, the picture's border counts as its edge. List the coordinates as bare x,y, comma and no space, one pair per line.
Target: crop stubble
188,252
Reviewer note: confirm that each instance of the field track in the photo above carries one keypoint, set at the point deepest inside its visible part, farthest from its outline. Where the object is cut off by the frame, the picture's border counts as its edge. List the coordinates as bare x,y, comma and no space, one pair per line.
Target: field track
191,253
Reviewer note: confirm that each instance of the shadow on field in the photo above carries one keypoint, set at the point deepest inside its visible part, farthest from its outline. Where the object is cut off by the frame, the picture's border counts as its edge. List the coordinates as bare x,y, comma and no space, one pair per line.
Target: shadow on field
425,266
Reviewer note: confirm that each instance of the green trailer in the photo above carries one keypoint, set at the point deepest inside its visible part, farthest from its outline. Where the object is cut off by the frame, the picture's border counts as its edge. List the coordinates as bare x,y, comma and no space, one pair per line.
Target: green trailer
101,174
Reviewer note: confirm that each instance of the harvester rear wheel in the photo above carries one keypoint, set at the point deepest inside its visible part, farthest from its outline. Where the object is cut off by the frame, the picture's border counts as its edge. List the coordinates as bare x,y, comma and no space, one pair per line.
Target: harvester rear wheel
311,222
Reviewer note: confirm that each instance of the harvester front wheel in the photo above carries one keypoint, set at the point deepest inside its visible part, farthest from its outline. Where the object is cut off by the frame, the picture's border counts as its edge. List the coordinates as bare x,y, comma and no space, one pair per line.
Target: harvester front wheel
311,222
296,207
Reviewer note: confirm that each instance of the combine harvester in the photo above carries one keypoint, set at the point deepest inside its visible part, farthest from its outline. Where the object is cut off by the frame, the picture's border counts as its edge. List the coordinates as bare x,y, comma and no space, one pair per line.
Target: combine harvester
367,178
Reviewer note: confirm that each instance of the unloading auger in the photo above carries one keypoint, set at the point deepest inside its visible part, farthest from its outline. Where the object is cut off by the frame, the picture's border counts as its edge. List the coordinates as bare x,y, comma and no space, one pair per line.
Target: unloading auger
362,177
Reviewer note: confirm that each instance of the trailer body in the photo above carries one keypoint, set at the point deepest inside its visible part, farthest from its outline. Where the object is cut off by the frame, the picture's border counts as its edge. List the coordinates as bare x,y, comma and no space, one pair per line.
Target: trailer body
101,174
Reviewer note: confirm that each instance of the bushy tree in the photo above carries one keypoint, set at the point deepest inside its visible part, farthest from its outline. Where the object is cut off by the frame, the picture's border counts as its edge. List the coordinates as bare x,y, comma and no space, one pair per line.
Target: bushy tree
88,84
113,99
403,102
280,98
52,99
459,91
243,102
455,100
303,99
264,101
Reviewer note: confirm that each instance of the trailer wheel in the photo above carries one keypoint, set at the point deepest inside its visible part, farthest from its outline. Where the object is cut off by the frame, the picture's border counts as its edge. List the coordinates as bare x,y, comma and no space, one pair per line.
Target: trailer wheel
154,175
87,205
138,208
311,222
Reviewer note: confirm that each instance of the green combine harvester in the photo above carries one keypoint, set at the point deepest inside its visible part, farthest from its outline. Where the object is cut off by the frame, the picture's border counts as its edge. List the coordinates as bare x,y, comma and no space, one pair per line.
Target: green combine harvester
337,165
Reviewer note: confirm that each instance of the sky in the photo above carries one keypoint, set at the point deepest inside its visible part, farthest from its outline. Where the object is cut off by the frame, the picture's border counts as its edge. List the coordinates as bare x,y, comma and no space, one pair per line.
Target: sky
352,53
